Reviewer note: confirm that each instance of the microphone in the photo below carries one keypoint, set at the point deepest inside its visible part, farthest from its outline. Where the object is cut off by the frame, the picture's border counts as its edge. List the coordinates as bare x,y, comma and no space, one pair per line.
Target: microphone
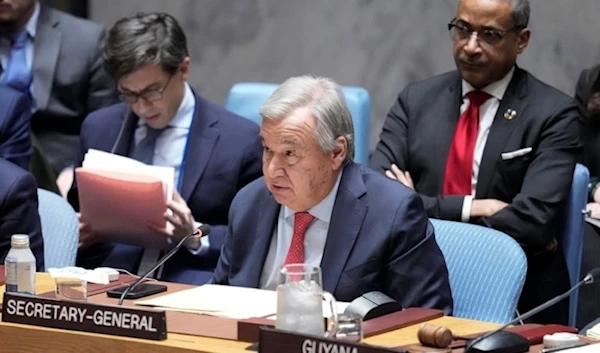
509,342
203,230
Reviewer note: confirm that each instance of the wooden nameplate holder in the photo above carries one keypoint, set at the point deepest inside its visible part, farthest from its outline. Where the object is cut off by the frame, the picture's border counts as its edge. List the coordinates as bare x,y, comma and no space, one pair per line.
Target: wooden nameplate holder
81,316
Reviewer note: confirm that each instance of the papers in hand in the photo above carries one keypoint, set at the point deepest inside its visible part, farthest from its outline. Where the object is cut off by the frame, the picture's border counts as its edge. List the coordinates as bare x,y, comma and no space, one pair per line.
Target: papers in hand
217,300
122,198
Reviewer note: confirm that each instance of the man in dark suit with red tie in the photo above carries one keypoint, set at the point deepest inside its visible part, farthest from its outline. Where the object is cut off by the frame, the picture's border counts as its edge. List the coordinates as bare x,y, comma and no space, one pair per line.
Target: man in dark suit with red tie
490,144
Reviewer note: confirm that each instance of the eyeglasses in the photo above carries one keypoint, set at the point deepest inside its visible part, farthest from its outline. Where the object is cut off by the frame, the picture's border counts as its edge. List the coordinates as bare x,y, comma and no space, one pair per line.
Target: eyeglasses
460,32
149,95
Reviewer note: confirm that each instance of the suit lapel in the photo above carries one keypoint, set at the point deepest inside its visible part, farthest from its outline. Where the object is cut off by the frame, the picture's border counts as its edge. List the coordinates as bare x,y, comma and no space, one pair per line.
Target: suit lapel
501,130
445,120
346,221
47,45
265,226
202,139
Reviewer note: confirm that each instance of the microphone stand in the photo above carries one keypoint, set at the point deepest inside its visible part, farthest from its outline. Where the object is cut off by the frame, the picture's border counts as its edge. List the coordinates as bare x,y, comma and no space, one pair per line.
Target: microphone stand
204,229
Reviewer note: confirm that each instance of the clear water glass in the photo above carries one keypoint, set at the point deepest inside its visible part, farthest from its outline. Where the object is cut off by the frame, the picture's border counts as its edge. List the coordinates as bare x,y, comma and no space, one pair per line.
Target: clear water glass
69,288
349,328
300,301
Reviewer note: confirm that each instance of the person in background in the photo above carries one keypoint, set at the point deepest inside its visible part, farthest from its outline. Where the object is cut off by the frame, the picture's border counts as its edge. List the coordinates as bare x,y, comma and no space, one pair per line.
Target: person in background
316,206
491,144
587,95
55,58
19,211
162,121
15,141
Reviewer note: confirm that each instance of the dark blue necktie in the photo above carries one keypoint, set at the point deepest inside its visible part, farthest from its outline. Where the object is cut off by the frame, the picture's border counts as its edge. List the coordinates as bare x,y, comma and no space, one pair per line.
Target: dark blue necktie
144,152
17,75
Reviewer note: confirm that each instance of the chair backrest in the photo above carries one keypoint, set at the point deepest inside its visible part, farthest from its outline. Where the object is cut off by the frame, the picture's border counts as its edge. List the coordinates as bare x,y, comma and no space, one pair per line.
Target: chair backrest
246,98
487,270
60,230
572,233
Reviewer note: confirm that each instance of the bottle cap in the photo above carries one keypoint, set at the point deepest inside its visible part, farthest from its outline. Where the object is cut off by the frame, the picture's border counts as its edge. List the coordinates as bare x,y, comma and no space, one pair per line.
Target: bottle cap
19,240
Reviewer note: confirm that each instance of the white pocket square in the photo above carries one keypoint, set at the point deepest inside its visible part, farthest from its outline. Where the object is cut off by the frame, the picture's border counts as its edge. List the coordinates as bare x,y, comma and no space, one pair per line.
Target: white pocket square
515,154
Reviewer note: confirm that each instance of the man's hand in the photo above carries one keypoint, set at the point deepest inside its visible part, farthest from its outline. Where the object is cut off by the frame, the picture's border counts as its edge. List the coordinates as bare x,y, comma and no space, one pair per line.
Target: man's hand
87,236
181,222
403,177
486,207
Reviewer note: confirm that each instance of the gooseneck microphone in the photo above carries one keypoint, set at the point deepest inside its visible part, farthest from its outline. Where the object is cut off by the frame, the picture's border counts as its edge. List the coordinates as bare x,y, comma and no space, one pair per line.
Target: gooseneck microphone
203,230
509,342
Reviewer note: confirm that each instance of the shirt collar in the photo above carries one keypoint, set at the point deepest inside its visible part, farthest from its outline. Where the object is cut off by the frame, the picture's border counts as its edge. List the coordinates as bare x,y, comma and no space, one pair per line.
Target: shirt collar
323,209
494,89
31,25
185,113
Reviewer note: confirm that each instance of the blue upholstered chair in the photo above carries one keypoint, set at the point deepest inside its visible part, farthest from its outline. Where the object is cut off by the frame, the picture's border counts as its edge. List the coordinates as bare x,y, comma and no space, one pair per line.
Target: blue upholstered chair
572,233
246,98
487,270
60,230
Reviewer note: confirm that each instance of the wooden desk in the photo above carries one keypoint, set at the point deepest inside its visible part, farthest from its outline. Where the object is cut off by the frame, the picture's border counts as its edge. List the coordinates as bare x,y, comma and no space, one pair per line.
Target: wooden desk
16,338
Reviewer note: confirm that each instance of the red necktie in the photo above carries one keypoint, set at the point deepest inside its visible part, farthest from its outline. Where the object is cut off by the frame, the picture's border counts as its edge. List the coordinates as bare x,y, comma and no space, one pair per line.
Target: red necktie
295,254
459,166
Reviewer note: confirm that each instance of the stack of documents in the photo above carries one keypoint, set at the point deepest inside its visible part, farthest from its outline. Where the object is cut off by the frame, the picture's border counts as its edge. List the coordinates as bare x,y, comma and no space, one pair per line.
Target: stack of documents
122,198
225,301
222,301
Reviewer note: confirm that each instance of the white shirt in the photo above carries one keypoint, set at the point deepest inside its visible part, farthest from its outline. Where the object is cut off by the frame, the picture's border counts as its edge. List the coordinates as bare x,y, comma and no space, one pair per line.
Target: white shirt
171,143
6,47
314,238
487,112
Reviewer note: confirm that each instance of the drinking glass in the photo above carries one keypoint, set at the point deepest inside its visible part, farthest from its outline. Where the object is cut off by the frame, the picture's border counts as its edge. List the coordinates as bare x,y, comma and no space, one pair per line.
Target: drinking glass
349,328
70,288
300,301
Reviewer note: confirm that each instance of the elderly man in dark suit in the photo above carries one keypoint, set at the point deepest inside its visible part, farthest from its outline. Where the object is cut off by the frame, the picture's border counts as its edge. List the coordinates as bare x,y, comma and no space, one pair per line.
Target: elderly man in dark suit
15,142
315,206
56,59
164,122
491,144
19,211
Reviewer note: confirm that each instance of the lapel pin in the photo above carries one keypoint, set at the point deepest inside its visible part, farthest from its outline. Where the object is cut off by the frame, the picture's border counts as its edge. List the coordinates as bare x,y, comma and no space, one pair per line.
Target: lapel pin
510,114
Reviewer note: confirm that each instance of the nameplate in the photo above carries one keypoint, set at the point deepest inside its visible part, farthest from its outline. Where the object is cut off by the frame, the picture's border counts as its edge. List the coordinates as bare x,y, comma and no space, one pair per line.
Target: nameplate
276,341
82,316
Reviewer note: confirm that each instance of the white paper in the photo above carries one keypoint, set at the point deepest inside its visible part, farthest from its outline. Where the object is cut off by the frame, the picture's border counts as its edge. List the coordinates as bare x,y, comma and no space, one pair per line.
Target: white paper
595,348
216,300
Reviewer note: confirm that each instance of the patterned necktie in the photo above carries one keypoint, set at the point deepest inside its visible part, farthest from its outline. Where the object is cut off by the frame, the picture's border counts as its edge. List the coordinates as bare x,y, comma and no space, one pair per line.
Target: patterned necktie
459,165
295,253
17,74
144,152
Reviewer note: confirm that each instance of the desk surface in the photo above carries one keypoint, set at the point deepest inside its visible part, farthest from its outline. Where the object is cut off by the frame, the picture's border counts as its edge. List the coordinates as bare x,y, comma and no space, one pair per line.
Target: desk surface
21,338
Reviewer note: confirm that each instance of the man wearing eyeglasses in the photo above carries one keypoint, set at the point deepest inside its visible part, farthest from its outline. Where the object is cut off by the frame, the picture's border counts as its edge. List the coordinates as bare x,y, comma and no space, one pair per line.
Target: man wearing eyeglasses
162,121
490,144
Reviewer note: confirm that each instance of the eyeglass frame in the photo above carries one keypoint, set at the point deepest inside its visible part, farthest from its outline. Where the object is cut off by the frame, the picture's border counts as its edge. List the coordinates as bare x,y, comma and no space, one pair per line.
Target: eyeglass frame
501,33
133,97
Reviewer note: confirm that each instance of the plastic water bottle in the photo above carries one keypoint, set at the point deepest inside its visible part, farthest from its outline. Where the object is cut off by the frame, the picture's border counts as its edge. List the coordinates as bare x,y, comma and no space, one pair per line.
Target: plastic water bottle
20,266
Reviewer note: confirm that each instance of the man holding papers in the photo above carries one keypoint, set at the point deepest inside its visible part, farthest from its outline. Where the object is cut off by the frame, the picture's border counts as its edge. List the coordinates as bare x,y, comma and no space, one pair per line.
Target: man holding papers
315,206
162,122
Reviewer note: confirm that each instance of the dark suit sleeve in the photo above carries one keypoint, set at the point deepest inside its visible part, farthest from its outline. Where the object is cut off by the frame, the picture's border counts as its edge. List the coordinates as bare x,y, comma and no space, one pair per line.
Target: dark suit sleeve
221,273
416,273
19,215
393,148
102,88
530,217
15,141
